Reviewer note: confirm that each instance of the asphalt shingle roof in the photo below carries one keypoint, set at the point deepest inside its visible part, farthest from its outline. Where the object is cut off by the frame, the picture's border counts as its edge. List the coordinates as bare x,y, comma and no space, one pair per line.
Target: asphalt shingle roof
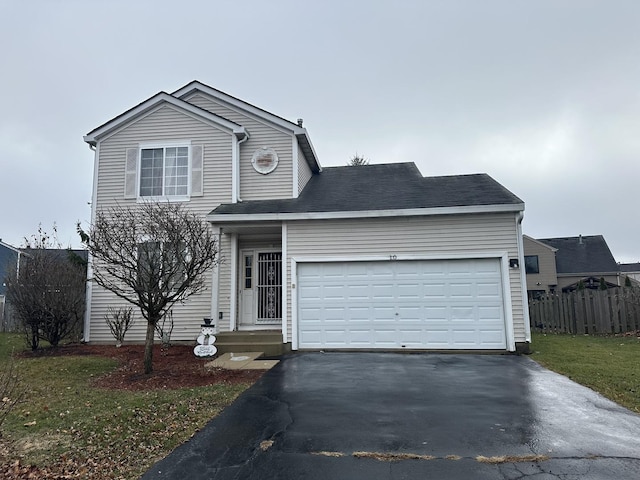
582,254
630,267
381,187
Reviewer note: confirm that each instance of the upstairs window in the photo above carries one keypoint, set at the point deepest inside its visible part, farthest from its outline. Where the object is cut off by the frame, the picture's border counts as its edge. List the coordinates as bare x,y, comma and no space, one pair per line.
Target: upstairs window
164,172
172,171
531,264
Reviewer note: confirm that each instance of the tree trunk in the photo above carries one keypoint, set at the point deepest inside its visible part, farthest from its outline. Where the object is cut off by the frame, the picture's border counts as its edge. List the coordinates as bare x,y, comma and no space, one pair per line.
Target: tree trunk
148,348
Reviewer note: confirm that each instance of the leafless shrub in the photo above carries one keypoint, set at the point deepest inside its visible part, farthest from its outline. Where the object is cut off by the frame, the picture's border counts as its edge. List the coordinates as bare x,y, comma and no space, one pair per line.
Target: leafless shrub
164,329
47,290
119,320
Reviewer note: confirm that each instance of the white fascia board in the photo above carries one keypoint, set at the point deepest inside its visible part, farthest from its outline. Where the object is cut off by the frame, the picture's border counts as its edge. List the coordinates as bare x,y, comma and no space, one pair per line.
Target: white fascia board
154,102
409,212
6,245
239,104
305,136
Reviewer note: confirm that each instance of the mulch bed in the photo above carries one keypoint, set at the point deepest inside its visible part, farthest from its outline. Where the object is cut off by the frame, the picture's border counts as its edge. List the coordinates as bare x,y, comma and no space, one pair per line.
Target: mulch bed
173,367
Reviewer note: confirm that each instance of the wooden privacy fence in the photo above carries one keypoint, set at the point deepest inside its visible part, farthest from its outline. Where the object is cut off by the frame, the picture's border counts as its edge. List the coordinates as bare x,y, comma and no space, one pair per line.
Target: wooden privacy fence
616,310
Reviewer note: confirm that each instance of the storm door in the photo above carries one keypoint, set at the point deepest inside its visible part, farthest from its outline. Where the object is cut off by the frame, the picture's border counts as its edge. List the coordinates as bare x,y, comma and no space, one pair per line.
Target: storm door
269,287
260,288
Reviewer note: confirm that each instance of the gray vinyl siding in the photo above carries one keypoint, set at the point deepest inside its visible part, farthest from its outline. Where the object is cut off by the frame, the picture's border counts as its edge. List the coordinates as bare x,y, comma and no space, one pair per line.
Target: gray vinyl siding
260,242
253,185
163,125
546,266
304,171
421,236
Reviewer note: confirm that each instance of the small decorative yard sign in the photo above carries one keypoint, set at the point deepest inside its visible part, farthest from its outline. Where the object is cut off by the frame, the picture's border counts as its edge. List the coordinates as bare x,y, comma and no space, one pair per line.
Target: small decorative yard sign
206,340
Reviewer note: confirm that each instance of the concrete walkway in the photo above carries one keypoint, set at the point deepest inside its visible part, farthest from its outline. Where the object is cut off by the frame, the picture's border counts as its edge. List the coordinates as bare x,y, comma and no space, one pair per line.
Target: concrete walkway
394,416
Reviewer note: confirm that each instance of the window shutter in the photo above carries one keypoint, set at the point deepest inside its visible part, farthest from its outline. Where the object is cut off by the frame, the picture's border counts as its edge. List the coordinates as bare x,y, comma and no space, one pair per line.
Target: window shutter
131,174
197,165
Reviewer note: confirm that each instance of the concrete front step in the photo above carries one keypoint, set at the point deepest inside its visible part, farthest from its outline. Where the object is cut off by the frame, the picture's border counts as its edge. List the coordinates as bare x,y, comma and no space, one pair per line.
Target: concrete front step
268,342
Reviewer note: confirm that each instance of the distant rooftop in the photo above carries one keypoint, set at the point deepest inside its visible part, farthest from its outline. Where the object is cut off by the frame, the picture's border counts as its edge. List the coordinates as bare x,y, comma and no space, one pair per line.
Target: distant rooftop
582,254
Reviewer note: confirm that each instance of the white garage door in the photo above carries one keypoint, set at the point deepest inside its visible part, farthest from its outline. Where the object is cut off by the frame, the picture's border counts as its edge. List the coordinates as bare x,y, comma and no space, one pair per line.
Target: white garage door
431,304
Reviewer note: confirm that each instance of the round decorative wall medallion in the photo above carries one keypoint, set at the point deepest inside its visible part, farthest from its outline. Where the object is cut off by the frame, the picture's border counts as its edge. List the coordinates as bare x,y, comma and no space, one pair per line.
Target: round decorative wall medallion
264,160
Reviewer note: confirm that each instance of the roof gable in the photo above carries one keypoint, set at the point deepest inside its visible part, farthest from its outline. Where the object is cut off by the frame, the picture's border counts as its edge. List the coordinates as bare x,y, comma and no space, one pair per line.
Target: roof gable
383,187
582,254
233,102
149,106
537,242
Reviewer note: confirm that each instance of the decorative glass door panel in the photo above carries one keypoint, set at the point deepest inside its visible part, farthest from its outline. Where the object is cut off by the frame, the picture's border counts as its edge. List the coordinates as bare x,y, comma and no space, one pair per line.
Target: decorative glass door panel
269,287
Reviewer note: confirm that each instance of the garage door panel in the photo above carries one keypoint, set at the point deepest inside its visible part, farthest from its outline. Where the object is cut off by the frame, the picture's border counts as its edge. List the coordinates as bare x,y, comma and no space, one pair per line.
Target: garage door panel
435,290
444,304
383,291
409,291
462,316
381,312
489,289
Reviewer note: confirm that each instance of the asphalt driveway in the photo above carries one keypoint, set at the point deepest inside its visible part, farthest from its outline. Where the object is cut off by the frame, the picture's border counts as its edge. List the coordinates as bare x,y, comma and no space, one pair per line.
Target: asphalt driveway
331,415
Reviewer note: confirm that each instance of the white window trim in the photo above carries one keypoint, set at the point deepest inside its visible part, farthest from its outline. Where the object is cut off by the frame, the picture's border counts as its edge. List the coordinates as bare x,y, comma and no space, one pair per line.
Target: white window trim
163,198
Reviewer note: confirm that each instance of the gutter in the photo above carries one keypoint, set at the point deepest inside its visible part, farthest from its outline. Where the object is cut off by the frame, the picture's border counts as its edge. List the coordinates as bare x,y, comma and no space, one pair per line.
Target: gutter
222,218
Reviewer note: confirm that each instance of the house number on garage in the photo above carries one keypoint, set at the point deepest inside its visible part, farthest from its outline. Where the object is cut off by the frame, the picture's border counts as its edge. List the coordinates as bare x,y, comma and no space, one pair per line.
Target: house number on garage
393,257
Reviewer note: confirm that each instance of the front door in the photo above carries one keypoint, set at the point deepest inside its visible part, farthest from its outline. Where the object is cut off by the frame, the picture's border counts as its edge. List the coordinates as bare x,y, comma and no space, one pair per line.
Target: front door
260,288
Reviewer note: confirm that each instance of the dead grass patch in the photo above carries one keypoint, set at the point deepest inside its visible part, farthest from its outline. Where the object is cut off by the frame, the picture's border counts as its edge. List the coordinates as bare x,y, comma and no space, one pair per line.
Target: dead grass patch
453,457
328,454
266,445
511,459
392,457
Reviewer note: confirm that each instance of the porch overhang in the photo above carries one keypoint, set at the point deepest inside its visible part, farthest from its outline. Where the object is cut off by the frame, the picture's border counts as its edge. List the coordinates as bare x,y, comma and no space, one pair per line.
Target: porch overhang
249,228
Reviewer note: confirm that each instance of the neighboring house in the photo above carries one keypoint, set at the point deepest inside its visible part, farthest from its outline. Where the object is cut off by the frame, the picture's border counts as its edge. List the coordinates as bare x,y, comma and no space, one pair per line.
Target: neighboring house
540,267
584,259
9,261
360,257
12,258
631,270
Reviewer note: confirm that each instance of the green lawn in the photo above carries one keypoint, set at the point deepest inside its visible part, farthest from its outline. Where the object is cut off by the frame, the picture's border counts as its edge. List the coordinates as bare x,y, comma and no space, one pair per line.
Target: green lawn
609,365
62,419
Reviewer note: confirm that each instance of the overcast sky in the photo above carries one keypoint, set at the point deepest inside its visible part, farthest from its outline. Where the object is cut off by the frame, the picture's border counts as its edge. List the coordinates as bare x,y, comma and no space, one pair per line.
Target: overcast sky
544,96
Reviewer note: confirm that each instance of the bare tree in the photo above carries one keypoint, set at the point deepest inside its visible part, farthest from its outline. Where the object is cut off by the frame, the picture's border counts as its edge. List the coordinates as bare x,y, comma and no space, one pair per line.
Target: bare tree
152,255
358,160
47,290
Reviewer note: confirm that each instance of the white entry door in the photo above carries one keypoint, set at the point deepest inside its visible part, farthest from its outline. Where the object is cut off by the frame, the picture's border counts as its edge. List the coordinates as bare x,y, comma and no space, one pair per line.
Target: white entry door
260,288
427,304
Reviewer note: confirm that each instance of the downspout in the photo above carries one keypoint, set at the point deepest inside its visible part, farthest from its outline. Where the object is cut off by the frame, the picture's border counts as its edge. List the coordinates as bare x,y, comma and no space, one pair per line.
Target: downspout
89,286
236,167
523,278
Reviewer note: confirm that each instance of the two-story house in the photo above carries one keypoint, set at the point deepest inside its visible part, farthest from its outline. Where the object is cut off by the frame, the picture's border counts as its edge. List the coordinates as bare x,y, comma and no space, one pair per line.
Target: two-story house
363,257
560,264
